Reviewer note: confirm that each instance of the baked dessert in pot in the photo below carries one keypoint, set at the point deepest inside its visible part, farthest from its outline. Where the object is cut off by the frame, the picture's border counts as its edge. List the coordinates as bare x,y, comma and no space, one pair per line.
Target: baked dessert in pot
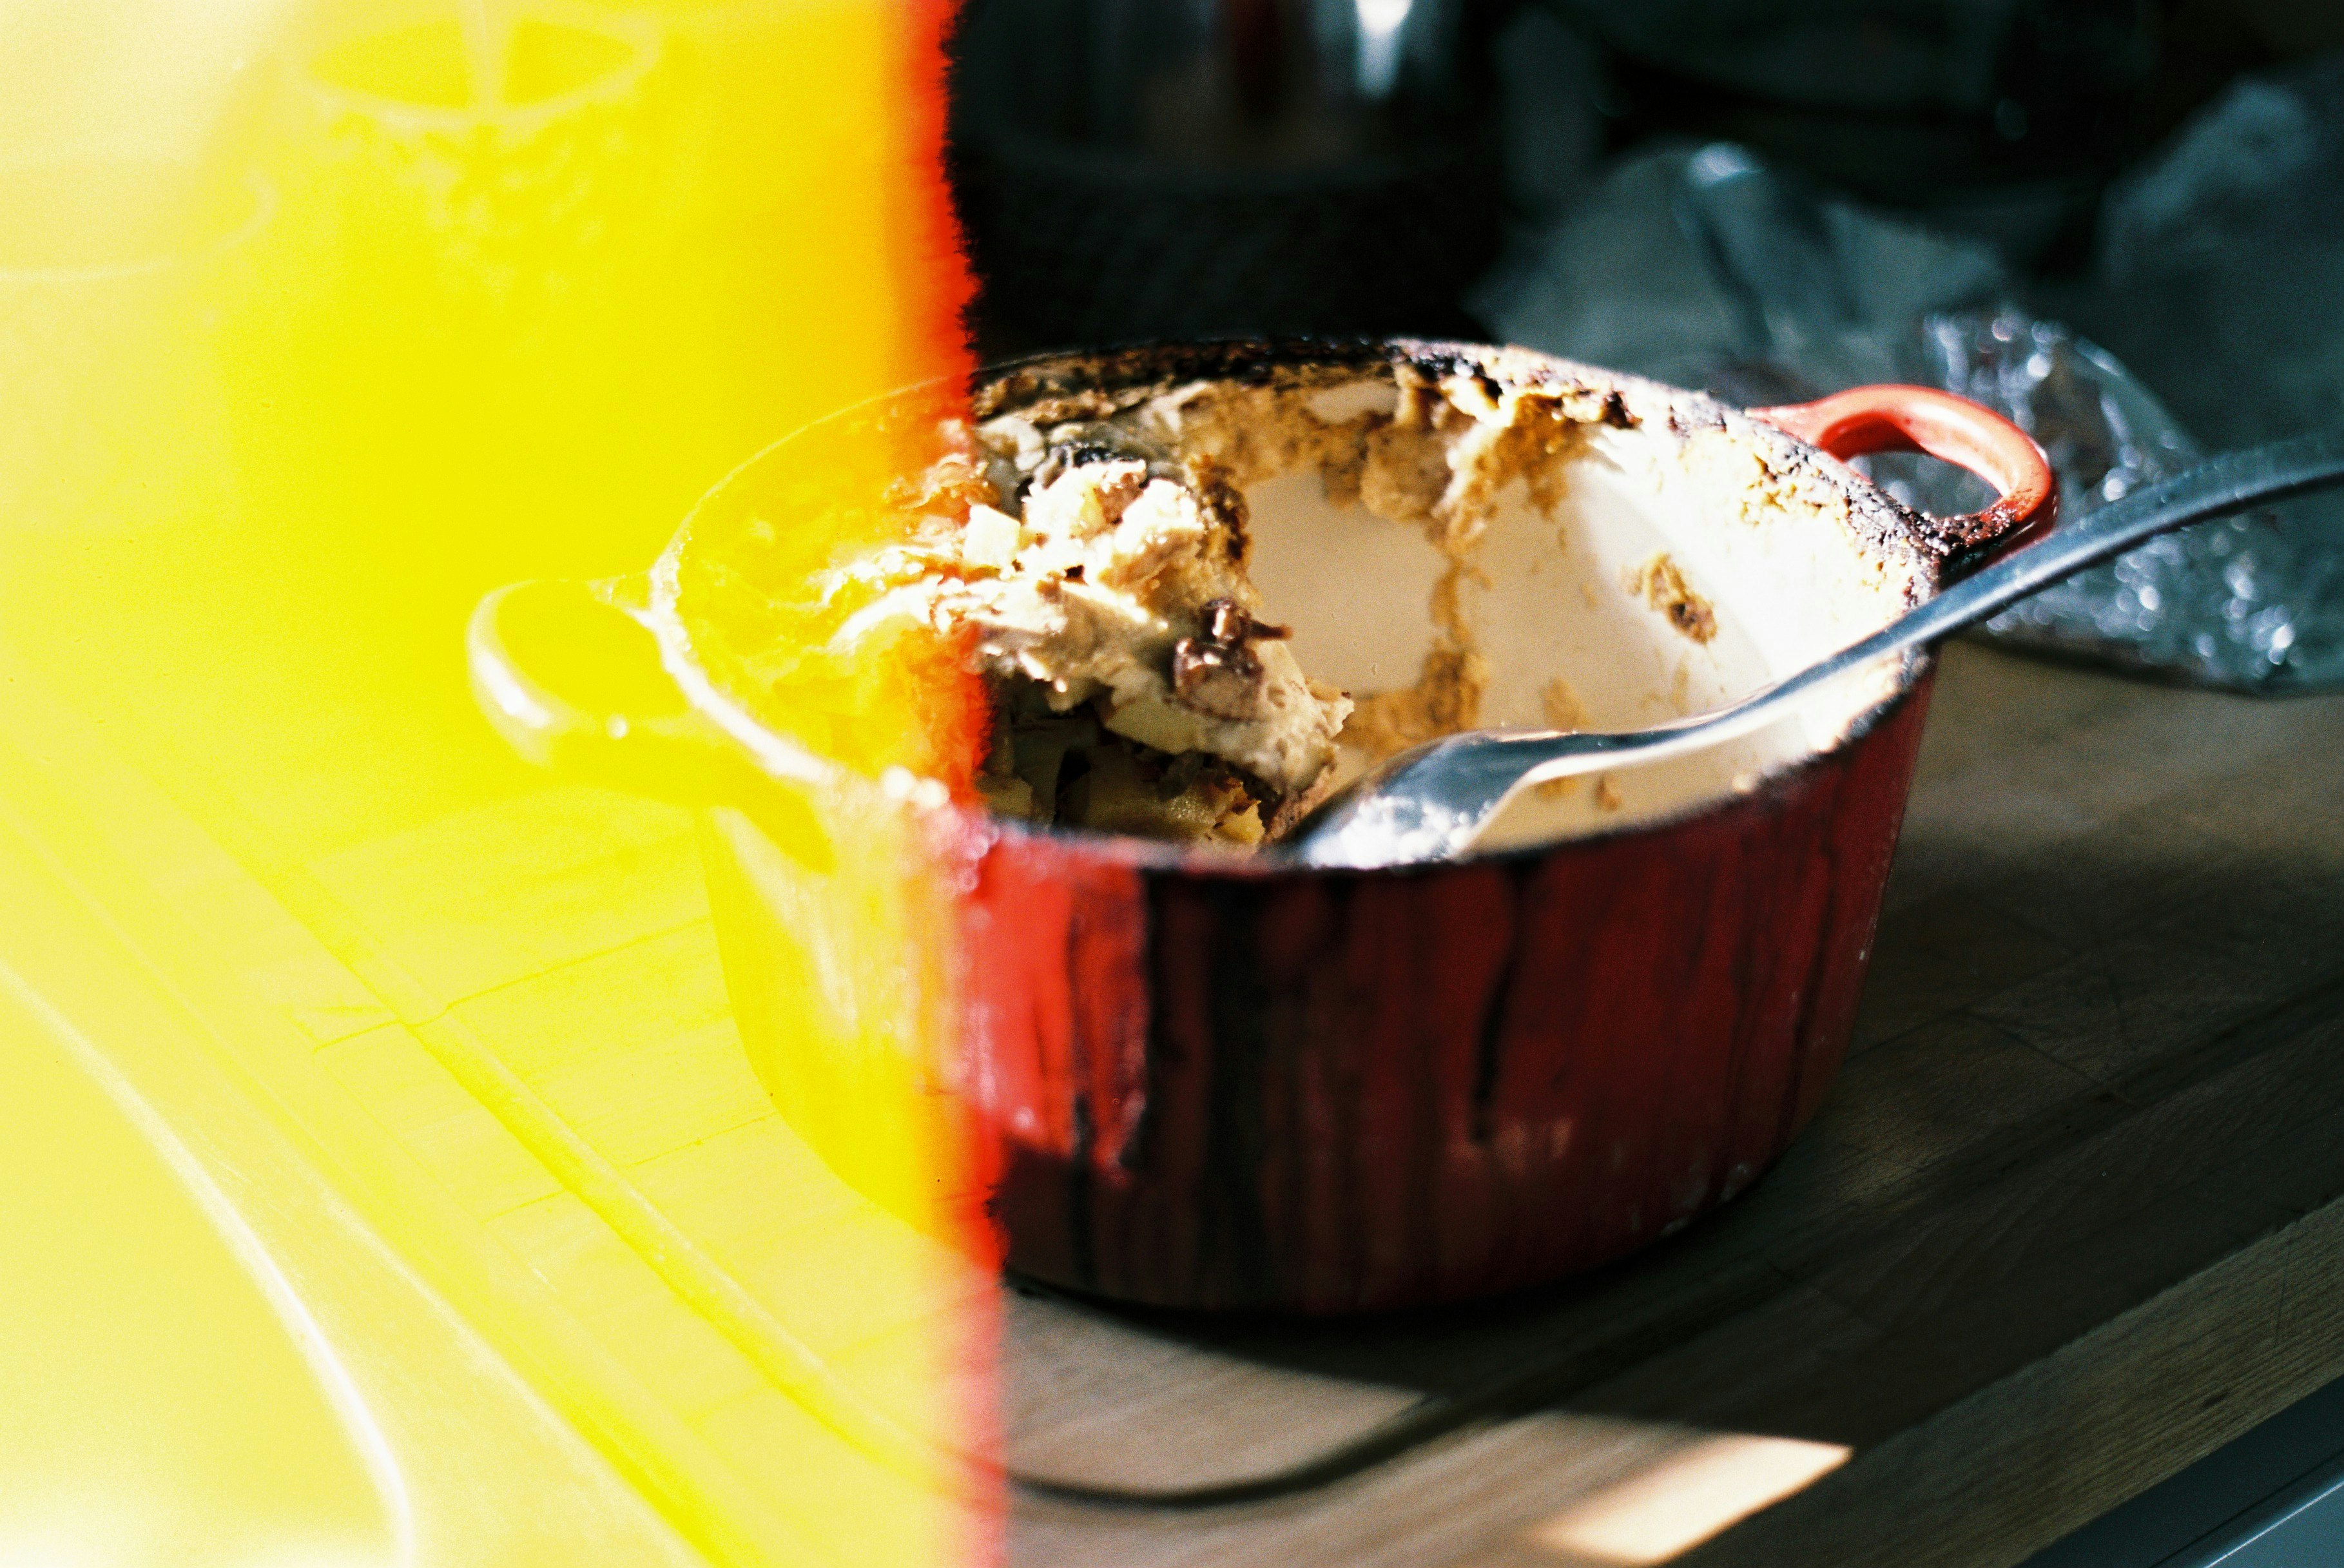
1090,554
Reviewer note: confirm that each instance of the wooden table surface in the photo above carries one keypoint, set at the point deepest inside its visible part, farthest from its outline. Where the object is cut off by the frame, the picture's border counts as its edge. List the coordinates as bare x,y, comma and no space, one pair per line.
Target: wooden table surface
2069,1220
2066,1222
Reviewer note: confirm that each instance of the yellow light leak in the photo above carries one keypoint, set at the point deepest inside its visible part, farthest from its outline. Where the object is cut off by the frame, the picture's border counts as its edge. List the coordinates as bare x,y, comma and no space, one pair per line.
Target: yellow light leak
319,319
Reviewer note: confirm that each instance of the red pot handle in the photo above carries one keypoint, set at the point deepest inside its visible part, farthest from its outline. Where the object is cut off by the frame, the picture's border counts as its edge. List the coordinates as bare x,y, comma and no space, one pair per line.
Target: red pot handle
1940,425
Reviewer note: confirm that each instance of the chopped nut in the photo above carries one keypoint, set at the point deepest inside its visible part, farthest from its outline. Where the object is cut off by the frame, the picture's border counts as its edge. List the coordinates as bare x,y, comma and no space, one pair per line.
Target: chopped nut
1217,672
1659,584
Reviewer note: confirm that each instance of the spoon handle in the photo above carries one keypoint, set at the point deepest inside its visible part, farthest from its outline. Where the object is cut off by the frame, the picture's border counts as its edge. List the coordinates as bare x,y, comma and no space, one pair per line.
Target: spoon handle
2224,484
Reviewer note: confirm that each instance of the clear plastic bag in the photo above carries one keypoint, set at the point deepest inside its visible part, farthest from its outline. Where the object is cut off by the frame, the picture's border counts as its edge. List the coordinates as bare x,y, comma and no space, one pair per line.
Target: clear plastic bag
2251,602
1704,267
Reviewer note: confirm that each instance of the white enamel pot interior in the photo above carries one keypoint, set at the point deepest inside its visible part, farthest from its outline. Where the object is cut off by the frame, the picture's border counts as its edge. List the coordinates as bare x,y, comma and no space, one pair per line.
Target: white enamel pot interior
1785,556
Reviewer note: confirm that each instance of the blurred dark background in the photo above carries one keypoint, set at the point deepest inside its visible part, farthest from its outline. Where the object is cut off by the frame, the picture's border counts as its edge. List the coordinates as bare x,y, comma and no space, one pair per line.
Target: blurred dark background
2120,222
1137,168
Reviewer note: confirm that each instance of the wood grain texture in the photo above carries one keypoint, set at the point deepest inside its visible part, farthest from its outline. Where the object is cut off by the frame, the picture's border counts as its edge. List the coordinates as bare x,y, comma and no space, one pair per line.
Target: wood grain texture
2069,1221
2065,1224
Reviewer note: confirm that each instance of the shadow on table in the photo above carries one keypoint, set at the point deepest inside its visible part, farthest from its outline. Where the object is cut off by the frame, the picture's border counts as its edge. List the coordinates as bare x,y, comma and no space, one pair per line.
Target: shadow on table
2085,1111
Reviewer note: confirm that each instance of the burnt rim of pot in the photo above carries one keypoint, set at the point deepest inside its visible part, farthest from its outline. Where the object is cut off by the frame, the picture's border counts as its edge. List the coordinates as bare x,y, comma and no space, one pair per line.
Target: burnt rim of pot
1885,527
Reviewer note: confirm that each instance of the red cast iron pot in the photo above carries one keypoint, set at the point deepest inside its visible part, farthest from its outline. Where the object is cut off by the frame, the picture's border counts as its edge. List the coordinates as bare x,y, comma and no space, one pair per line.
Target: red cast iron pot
1204,1082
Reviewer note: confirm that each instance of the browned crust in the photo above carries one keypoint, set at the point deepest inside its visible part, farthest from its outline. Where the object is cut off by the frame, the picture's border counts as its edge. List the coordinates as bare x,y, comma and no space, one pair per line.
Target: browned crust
1884,527
1662,586
1445,698
1221,501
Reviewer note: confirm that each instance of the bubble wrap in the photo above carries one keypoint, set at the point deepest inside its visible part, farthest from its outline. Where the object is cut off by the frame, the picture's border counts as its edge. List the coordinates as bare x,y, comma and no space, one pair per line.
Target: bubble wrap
2255,601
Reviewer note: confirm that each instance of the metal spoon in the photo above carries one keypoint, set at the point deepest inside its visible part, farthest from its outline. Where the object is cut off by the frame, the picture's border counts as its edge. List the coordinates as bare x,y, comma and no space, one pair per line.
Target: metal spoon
1434,800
